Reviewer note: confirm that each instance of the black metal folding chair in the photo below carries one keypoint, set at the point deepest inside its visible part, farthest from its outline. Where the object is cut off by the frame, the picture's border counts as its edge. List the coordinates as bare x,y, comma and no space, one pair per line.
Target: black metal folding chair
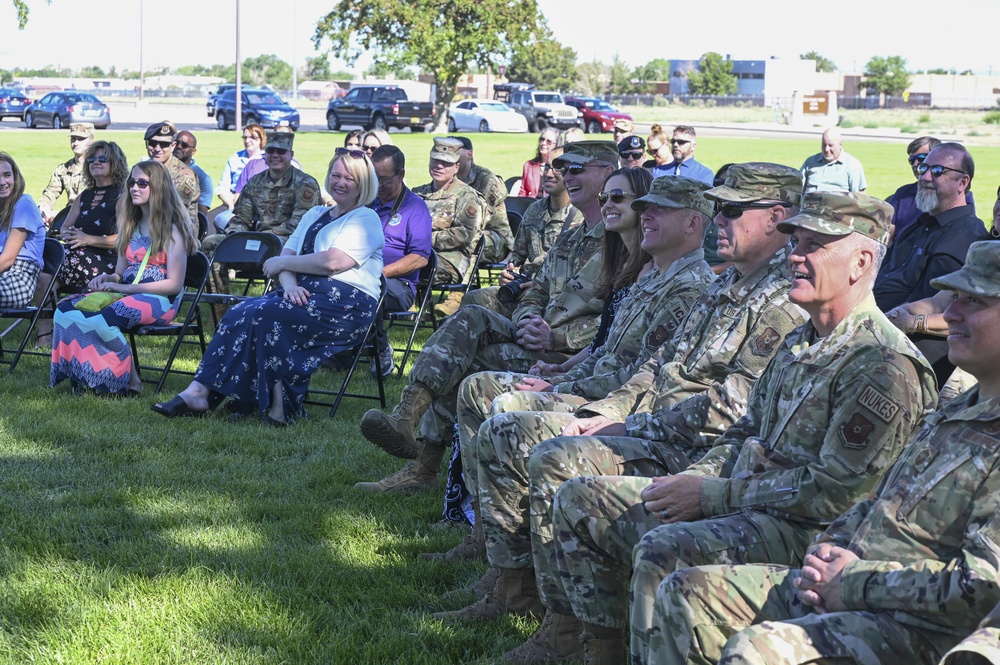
463,287
53,255
245,253
425,283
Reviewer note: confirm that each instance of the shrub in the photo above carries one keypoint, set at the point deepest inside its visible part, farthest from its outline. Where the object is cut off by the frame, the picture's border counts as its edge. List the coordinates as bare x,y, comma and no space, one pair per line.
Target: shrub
924,118
909,129
992,118
846,124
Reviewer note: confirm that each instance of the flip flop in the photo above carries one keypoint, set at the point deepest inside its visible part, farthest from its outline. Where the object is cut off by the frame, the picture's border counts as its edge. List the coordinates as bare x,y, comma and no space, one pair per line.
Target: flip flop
176,408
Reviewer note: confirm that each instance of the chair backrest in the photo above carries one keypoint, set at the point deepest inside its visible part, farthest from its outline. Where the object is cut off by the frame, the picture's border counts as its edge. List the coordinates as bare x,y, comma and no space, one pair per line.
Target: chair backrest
202,225
247,248
510,182
518,204
197,271
53,255
514,220
55,226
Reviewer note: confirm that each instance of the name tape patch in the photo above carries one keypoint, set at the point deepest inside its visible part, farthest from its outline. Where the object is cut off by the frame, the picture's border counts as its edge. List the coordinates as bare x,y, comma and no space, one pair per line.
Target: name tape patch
879,404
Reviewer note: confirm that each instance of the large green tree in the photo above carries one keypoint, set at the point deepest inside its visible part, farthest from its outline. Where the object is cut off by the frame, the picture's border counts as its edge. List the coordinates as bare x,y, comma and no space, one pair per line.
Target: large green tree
822,64
592,77
267,69
543,61
444,38
643,76
886,75
714,76
620,76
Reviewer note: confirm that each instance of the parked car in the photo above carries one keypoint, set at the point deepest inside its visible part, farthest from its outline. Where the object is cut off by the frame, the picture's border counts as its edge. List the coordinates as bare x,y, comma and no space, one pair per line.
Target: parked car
379,107
485,116
59,109
214,98
12,103
260,106
598,115
540,108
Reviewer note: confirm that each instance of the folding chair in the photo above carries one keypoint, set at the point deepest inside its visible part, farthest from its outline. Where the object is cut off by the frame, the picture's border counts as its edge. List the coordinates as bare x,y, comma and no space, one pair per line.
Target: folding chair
202,225
472,278
55,226
53,255
369,348
244,252
194,286
425,283
493,270
518,204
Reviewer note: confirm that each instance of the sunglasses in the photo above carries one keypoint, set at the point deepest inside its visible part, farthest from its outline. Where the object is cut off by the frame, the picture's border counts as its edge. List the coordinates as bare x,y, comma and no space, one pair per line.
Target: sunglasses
162,145
679,141
184,145
937,170
141,182
370,148
732,210
547,141
919,157
631,154
275,151
616,196
350,152
573,169
652,151
100,159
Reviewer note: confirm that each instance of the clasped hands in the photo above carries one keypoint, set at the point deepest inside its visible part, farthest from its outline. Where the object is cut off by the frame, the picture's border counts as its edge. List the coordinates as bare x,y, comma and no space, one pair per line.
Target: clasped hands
819,582
534,334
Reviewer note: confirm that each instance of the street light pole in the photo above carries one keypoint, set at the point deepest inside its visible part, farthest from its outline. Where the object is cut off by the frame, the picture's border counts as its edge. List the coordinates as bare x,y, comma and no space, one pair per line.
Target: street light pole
239,74
141,74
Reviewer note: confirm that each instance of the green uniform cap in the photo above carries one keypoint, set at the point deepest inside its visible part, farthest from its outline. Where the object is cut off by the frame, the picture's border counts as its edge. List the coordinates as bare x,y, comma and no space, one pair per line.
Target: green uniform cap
446,150
759,181
585,152
676,192
841,213
282,140
980,274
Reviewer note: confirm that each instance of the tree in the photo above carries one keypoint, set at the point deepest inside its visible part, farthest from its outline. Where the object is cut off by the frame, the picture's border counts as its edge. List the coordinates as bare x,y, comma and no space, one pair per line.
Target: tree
657,69
620,77
92,72
543,61
714,76
822,64
382,70
592,77
443,38
887,75
267,69
317,69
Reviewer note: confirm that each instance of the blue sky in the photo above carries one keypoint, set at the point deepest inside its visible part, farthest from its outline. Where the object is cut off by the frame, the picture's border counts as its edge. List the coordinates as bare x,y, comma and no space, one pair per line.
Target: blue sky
58,33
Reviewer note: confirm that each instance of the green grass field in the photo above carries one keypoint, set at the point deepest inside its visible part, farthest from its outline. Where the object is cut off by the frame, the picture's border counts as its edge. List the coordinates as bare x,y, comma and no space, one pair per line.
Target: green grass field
129,538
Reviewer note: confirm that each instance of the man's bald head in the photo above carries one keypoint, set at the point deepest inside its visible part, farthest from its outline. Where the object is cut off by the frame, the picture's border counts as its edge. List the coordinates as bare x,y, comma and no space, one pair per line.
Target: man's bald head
832,140
185,145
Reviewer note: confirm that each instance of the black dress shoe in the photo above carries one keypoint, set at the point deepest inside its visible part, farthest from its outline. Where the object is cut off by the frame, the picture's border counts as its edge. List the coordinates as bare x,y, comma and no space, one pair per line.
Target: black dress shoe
176,408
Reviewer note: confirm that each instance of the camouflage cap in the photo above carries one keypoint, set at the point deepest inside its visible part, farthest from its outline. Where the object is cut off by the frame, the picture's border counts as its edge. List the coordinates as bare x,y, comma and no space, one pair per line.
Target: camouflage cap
446,149
161,130
585,152
841,213
758,181
980,274
624,124
676,192
281,140
83,130
631,143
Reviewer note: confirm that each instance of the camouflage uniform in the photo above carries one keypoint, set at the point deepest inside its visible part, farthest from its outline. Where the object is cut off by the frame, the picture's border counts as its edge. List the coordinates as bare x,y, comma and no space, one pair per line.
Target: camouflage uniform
538,231
476,339
497,236
187,186
928,544
275,206
456,223
982,646
68,177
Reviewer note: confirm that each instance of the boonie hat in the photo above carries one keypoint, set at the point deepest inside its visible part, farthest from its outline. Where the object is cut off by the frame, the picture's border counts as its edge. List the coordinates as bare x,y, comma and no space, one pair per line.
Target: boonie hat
759,181
446,150
979,275
842,213
676,192
585,152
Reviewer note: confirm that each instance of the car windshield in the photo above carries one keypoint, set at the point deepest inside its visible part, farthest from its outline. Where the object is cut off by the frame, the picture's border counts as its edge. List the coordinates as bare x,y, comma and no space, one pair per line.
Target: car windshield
85,99
494,106
548,99
600,105
264,98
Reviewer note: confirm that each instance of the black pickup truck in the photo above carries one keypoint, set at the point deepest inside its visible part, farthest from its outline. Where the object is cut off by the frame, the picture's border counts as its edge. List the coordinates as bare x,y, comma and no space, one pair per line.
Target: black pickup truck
379,107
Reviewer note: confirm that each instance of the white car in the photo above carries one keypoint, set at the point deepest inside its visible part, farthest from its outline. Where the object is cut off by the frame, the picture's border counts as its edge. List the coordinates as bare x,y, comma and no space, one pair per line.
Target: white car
485,116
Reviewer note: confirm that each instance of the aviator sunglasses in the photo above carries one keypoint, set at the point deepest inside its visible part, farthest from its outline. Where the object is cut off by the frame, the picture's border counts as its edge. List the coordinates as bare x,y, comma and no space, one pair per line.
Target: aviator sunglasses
616,196
734,210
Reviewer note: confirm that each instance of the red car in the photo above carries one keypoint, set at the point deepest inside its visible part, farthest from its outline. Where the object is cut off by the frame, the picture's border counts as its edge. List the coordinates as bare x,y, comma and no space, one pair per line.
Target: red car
598,115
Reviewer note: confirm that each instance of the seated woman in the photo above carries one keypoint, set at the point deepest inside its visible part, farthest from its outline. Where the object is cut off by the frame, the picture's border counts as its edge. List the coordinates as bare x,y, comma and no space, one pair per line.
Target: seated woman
531,174
254,140
267,348
154,241
22,238
352,141
374,138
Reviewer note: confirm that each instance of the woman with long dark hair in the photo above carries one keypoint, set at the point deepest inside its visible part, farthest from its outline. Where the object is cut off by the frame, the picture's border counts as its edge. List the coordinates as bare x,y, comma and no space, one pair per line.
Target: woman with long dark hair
531,175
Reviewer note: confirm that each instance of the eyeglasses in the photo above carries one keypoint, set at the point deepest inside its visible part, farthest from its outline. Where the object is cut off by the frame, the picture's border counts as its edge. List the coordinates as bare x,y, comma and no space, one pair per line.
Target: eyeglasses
162,145
733,210
356,154
141,182
275,151
547,141
937,170
100,159
631,154
184,145
616,196
679,141
919,157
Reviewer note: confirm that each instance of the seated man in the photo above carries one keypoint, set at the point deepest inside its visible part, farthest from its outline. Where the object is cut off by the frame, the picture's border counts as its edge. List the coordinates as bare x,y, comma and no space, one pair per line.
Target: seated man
832,169
68,176
898,578
496,229
184,148
161,139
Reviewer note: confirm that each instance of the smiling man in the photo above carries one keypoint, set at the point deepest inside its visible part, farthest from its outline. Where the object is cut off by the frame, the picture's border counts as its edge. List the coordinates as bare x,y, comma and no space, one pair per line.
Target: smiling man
833,169
161,139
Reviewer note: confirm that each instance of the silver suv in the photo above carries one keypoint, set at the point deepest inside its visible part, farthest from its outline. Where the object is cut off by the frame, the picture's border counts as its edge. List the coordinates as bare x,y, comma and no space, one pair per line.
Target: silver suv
543,109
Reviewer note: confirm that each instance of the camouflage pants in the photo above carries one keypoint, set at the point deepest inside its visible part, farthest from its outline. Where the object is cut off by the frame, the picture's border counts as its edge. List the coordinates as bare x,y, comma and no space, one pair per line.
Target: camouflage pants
487,297
471,340
751,615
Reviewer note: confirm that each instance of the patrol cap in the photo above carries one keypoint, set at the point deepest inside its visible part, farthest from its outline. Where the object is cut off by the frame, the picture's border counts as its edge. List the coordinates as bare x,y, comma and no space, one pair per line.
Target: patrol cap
280,140
841,213
631,143
585,152
446,150
670,191
980,274
758,181
624,124
162,130
464,140
82,130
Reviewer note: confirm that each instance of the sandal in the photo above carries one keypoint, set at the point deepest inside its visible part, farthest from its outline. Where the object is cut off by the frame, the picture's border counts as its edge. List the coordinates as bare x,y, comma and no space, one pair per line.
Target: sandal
176,408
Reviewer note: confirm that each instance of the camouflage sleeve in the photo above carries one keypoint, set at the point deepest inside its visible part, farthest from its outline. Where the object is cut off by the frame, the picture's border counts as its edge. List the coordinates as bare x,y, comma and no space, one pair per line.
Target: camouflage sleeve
619,403
52,190
984,642
242,219
306,198
465,228
519,249
536,298
878,402
499,239
190,191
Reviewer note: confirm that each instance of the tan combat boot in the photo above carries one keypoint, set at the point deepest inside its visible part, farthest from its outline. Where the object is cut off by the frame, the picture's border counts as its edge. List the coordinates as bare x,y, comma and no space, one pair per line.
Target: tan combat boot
472,547
448,306
555,641
602,645
394,432
514,593
477,589
416,474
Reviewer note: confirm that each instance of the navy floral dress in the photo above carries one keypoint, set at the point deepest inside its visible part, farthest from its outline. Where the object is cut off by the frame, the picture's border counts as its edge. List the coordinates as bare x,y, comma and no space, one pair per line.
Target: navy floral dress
97,218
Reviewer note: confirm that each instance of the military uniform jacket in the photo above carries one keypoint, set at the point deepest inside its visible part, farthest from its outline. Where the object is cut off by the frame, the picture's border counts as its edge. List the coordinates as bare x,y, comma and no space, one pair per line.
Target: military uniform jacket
497,236
275,206
68,177
564,291
649,316
456,222
187,186
697,384
824,423
929,541
984,642
538,231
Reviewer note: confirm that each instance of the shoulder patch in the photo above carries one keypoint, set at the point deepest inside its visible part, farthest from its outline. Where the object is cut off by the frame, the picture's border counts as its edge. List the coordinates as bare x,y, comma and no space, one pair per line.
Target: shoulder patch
308,194
659,336
879,404
764,343
470,211
855,432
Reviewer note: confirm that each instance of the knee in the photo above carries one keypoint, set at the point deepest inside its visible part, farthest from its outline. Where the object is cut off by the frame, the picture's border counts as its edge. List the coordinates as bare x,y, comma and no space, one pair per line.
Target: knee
549,459
571,500
654,554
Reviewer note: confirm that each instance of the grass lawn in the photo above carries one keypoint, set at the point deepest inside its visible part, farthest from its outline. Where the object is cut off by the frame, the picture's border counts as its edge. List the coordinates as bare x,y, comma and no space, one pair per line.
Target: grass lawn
129,538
